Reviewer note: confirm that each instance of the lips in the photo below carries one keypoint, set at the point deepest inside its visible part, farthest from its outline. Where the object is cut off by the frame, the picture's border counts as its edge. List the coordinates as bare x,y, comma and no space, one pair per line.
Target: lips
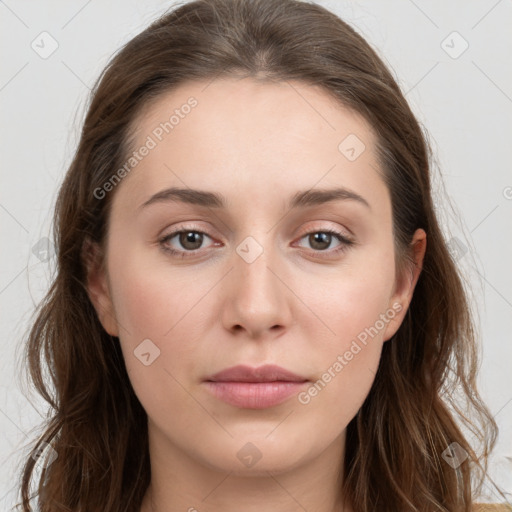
266,373
255,388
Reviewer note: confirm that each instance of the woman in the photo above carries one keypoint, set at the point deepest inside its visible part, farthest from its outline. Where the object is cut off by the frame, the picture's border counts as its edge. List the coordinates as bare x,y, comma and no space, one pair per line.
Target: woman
256,367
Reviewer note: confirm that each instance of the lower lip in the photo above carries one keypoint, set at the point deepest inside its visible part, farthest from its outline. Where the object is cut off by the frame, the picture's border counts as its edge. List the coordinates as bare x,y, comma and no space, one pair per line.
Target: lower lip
254,395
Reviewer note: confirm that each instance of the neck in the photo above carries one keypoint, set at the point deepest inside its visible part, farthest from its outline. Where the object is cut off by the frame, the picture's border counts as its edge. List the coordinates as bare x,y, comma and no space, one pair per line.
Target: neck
181,483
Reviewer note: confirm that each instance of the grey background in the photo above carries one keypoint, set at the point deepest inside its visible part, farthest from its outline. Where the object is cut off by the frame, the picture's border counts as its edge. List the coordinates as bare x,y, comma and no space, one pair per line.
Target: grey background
464,101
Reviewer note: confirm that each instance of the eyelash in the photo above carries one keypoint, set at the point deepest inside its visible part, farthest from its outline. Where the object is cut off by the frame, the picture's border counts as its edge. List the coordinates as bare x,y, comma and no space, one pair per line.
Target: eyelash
346,243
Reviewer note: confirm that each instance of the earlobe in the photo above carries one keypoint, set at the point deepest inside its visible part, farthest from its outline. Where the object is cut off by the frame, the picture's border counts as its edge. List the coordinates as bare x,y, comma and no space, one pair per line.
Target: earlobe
406,283
97,286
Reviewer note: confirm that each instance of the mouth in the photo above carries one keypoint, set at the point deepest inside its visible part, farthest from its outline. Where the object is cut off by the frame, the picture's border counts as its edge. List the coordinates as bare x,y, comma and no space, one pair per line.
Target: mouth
255,388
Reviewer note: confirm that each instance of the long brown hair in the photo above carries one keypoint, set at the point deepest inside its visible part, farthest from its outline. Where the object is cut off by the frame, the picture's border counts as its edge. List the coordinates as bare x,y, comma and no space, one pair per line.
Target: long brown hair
395,444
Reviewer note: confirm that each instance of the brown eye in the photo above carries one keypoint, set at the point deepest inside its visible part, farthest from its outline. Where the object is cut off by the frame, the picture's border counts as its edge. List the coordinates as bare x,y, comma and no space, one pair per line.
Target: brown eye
185,241
319,241
191,240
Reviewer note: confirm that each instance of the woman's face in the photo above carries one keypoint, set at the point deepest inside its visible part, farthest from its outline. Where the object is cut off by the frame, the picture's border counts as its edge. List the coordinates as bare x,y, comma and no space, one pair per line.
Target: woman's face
258,279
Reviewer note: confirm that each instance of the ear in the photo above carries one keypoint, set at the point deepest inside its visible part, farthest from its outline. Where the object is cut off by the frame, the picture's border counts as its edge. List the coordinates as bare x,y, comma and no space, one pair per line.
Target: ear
97,286
405,283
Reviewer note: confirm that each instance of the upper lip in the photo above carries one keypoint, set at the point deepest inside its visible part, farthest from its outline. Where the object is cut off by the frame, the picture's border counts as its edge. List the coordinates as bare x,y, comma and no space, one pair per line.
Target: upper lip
265,373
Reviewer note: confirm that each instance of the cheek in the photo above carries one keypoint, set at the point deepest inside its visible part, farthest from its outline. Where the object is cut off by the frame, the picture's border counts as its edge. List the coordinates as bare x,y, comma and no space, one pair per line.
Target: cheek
345,362
354,303
151,298
356,310
333,400
165,305
154,313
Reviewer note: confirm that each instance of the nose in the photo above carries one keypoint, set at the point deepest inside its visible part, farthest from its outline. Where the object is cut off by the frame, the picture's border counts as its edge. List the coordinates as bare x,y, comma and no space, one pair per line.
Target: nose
256,295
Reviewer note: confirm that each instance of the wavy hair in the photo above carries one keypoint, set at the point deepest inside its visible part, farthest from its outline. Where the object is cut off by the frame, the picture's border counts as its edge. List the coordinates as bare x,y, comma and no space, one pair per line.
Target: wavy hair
395,444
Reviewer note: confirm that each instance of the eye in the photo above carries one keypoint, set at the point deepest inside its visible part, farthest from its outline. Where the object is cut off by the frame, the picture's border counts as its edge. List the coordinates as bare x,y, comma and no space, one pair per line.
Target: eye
320,240
189,239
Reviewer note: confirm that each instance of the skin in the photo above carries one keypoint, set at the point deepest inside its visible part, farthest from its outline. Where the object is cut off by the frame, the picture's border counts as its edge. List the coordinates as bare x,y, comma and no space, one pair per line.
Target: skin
297,305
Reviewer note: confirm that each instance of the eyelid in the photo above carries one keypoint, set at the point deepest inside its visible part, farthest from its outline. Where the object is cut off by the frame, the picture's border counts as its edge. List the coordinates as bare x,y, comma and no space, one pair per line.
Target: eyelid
326,228
184,228
304,231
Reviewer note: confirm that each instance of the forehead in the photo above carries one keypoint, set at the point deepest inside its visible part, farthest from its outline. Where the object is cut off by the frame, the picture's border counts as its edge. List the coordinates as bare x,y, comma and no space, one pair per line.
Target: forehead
251,138
307,112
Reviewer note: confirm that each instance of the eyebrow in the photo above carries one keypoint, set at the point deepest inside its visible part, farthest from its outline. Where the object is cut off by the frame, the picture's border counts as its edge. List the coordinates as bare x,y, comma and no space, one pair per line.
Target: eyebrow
301,199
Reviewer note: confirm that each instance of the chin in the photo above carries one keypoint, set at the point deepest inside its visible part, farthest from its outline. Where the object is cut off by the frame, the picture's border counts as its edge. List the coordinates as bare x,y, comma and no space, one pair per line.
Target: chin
256,456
